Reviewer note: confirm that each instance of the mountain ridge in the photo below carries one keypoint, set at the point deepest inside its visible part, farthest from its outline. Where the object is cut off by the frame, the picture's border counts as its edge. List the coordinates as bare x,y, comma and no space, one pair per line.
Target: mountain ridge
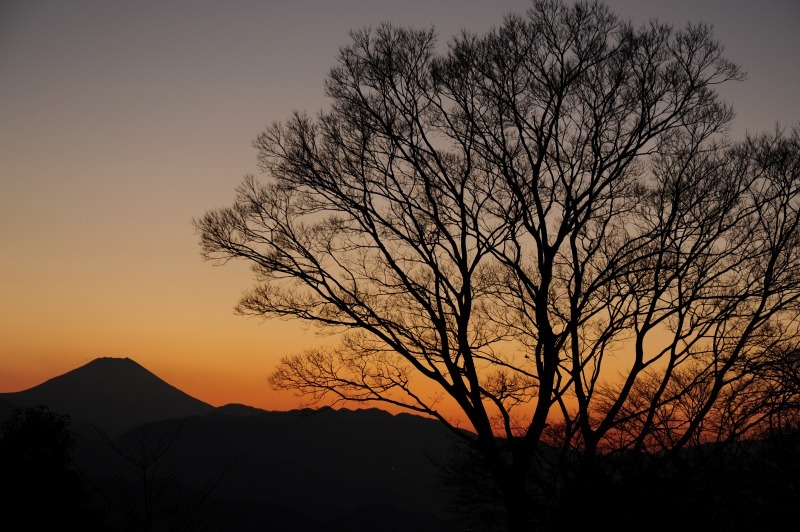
112,394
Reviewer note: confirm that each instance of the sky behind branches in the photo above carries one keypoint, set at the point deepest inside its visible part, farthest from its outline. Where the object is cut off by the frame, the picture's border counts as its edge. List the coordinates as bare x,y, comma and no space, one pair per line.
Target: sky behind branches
122,121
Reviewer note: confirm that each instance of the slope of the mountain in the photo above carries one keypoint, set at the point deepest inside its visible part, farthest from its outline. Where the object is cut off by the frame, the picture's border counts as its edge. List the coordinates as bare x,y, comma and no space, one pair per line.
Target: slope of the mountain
6,408
338,464
112,394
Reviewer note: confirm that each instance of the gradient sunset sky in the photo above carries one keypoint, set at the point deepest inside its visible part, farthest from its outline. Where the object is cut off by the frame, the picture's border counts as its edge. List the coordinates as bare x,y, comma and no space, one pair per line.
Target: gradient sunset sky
121,121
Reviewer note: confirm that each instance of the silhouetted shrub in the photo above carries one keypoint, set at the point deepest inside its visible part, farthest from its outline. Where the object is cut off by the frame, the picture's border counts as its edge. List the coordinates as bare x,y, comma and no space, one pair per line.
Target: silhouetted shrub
40,489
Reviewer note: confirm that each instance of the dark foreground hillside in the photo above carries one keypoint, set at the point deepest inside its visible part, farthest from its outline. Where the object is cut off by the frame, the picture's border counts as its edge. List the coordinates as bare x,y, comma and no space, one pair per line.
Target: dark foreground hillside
238,468
152,456
309,467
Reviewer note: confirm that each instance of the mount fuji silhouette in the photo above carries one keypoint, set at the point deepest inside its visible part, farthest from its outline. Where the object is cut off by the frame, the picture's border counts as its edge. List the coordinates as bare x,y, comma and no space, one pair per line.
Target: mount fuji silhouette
114,395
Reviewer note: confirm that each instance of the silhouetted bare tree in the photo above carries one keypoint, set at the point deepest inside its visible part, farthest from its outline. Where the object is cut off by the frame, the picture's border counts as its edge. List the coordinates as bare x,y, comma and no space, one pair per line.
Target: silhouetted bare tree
546,223
146,491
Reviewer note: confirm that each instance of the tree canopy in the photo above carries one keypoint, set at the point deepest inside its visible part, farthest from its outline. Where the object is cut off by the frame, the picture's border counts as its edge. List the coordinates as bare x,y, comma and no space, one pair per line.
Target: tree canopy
547,222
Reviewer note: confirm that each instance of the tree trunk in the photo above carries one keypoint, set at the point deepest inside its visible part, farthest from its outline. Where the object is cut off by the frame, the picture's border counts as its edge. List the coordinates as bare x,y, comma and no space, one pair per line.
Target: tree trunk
517,513
515,496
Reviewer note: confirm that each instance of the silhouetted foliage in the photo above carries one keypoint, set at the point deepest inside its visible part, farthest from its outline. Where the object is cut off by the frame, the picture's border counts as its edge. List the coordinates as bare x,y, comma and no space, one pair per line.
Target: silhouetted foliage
40,489
548,225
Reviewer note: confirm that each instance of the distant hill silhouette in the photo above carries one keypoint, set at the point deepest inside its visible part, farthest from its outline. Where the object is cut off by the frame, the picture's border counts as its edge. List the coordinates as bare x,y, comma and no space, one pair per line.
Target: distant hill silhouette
113,394
298,470
236,409
336,460
337,466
